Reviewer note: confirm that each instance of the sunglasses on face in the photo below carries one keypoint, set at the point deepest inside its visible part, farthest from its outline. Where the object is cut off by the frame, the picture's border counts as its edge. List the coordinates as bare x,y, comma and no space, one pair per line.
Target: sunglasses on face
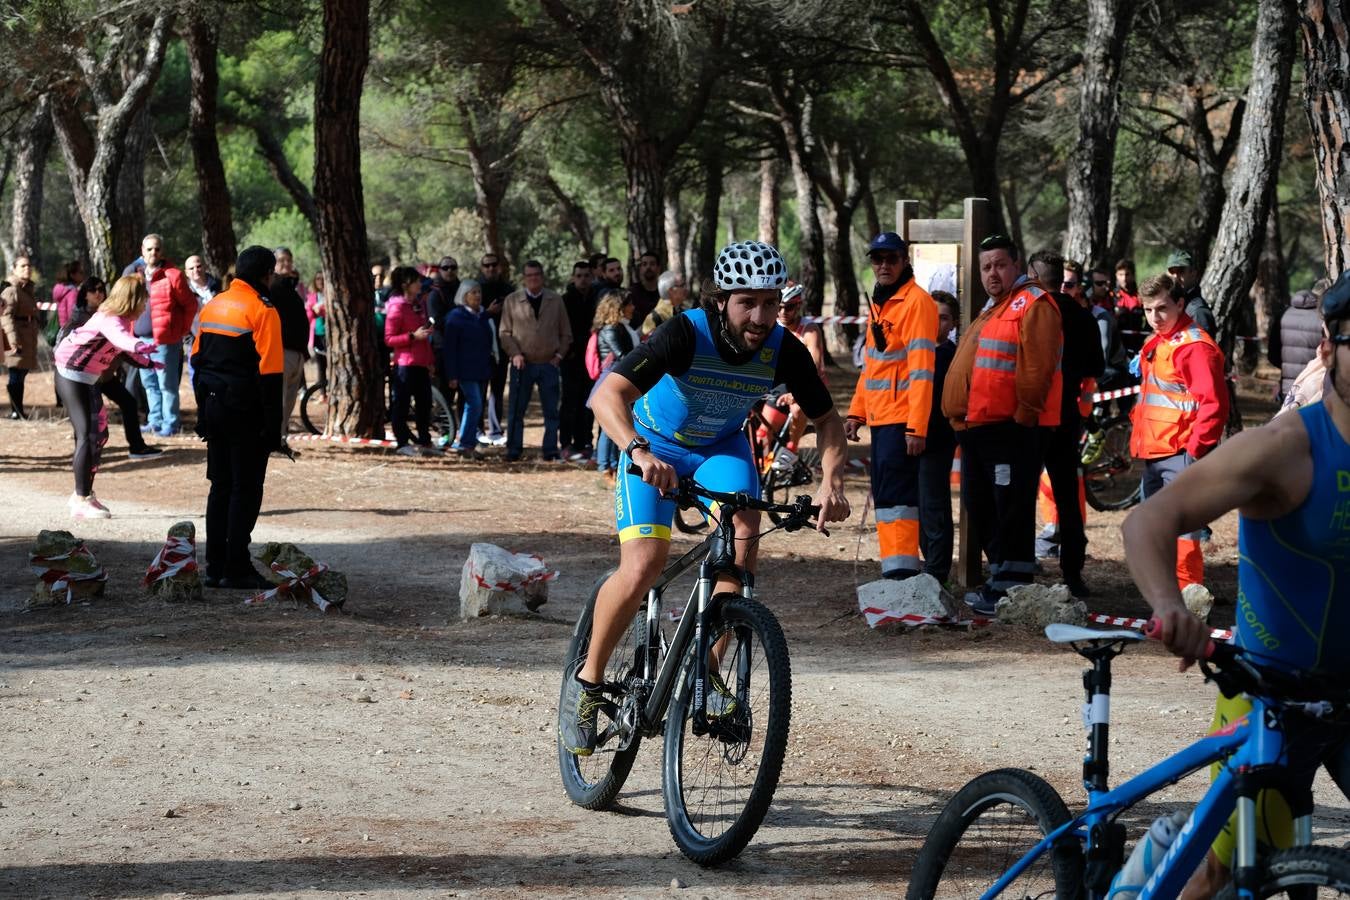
879,258
1340,339
1101,284
449,268
1070,284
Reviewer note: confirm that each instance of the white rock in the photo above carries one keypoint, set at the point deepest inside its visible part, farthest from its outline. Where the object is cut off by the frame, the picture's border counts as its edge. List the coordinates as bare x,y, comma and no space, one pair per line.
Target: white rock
1198,599
1039,605
919,595
498,582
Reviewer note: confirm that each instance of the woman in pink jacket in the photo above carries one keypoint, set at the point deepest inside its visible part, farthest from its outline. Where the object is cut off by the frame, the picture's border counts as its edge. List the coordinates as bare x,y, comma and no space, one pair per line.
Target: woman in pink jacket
81,358
407,333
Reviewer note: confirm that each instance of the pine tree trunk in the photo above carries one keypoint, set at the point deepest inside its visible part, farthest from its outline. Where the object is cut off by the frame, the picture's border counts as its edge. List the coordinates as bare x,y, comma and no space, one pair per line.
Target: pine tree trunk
1232,265
1121,231
795,123
1326,57
270,149
35,144
128,216
768,201
213,193
674,234
841,262
709,215
1091,165
490,183
1270,293
574,216
355,373
646,171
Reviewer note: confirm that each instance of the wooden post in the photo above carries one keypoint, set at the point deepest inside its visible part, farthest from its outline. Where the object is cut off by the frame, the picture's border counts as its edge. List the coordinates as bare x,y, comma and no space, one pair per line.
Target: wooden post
905,212
968,568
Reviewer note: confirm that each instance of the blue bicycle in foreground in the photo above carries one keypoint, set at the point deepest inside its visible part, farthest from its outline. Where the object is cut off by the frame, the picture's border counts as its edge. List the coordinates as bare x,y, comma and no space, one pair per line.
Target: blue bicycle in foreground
1008,834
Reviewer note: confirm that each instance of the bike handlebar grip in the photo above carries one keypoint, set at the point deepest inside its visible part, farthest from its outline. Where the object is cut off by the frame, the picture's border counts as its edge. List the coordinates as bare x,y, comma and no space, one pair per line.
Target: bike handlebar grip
634,469
1153,630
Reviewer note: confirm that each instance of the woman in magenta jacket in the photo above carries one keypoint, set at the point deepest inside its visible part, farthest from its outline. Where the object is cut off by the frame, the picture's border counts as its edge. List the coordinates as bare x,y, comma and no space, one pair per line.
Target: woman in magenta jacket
407,333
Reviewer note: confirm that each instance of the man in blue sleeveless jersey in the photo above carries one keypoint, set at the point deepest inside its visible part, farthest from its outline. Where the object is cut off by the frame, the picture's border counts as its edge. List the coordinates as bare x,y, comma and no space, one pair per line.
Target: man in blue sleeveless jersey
677,404
1290,482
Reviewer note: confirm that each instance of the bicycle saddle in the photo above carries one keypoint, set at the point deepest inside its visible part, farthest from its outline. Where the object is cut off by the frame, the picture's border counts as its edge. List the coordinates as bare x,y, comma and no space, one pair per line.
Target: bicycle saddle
1072,634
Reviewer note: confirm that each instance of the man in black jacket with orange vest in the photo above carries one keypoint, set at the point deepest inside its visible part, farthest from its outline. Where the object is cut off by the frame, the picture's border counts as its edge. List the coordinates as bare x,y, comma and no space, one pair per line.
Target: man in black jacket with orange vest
238,367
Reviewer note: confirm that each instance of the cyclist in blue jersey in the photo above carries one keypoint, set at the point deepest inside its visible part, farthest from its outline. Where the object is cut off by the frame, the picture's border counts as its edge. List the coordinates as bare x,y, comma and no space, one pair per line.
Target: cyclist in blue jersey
677,404
1290,482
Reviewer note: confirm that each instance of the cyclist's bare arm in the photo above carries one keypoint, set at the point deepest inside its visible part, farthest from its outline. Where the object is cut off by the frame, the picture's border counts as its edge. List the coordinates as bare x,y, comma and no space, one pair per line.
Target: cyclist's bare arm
613,408
833,458
1264,473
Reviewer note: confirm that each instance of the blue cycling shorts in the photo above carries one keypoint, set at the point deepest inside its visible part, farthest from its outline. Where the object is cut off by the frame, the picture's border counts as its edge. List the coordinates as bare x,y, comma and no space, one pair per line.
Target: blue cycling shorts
640,511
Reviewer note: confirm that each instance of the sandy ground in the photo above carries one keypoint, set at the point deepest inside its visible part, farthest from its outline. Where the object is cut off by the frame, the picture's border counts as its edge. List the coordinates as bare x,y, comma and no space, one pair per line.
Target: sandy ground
241,720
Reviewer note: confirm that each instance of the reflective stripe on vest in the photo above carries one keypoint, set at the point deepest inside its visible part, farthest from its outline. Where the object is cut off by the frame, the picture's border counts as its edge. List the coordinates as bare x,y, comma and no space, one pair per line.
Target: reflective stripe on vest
1165,415
993,379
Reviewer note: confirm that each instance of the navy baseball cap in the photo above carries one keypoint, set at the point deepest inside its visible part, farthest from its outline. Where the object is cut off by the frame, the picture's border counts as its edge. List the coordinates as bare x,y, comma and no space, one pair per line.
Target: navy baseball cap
887,240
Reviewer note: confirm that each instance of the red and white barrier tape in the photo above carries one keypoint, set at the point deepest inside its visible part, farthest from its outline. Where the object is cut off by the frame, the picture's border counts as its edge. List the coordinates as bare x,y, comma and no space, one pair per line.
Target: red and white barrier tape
48,569
834,320
343,439
877,617
299,587
534,578
1217,634
1102,396
177,555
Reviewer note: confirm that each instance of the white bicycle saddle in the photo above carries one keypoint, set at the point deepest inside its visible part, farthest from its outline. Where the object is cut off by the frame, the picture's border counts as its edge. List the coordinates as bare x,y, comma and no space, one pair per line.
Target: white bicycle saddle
1068,634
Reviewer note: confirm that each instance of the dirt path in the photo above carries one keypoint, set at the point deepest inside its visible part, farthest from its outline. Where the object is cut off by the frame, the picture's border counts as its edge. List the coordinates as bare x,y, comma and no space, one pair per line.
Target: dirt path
241,720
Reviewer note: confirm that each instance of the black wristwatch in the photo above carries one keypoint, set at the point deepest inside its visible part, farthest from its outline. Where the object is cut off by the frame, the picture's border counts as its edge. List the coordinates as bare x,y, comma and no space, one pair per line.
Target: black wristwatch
637,443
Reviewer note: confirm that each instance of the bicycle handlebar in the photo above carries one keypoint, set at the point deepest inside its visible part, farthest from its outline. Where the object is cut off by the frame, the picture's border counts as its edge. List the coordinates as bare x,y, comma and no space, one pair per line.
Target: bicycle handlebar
1236,671
799,512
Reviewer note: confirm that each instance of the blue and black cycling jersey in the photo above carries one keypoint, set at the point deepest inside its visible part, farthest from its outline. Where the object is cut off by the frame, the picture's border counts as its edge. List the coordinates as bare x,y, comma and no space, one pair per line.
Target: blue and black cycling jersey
1294,574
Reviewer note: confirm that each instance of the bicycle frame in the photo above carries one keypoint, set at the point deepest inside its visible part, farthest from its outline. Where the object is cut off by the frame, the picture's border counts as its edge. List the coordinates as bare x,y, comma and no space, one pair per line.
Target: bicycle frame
718,555
1253,744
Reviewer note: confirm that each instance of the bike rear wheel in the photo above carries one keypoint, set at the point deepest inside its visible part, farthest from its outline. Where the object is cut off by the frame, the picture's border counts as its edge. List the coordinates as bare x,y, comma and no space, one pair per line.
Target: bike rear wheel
592,782
718,786
1303,872
988,826
1114,480
314,407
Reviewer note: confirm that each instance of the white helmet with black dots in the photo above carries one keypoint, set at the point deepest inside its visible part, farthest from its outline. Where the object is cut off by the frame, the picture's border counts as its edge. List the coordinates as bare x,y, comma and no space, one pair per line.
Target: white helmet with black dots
750,265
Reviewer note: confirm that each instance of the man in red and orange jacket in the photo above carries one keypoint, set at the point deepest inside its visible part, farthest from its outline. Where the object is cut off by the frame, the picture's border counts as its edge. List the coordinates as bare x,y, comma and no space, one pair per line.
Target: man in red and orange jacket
1183,403
894,397
1003,397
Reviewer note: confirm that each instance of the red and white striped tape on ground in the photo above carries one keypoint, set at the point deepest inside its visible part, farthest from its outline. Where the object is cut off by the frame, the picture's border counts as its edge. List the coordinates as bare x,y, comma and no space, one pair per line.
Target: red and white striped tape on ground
298,587
53,571
177,555
532,578
343,439
877,617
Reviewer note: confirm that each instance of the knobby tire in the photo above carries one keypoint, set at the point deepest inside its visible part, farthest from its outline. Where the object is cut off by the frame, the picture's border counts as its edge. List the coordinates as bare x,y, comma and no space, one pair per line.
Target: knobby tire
717,791
1299,872
988,826
593,782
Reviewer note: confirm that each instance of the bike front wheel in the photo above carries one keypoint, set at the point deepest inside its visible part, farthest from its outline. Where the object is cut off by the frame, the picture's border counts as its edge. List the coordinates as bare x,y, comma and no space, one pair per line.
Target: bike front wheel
1302,872
985,829
718,785
592,782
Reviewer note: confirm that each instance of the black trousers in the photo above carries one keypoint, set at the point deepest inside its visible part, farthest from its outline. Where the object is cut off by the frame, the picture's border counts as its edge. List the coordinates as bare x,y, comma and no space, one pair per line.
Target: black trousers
114,390
82,404
1000,470
1063,465
576,423
411,383
935,511
236,465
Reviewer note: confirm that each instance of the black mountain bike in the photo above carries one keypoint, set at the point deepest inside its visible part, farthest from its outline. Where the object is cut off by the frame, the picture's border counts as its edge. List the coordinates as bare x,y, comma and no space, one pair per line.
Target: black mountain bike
721,761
